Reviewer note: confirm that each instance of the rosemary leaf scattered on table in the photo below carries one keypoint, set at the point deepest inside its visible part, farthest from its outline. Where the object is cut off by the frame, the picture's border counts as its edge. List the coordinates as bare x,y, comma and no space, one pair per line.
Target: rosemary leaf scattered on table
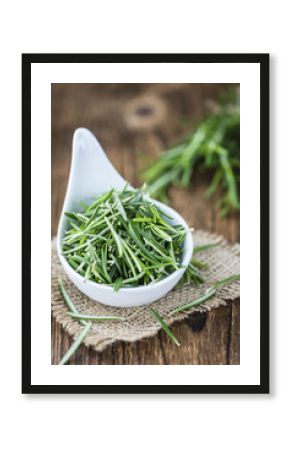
207,295
84,317
227,280
73,348
202,248
164,326
83,320
71,306
68,300
212,146
100,318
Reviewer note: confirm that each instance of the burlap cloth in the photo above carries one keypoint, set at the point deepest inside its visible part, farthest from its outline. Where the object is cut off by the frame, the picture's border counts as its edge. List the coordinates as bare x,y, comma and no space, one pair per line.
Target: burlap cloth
222,261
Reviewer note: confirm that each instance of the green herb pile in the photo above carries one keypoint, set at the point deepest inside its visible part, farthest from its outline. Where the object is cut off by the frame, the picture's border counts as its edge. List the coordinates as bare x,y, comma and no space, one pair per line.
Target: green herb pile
124,240
214,146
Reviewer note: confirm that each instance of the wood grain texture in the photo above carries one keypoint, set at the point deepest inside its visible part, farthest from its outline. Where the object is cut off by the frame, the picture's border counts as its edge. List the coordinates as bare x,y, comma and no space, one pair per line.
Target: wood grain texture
134,123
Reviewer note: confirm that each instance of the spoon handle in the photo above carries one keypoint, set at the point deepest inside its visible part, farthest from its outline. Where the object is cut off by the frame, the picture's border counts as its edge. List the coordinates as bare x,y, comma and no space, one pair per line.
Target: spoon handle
91,172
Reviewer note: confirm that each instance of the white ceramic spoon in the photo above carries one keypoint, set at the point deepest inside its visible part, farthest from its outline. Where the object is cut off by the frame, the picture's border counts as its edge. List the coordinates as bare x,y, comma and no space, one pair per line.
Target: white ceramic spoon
92,174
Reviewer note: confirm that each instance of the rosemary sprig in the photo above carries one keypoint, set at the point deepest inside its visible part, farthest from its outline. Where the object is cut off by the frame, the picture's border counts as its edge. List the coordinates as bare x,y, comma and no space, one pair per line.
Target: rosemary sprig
164,325
213,145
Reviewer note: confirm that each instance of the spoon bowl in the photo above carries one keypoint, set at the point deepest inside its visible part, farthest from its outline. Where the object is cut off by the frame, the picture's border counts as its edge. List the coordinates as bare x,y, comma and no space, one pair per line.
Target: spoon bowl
92,174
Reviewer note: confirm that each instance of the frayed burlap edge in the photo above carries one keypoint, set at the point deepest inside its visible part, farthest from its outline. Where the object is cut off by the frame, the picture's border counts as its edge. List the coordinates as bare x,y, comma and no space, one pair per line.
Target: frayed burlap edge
223,261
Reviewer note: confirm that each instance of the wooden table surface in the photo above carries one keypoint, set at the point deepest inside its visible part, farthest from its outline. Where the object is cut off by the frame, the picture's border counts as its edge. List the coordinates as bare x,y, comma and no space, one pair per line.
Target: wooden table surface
134,122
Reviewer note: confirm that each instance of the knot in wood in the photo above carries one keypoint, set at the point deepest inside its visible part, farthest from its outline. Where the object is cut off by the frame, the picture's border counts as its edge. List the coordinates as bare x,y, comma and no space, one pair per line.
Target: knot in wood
144,112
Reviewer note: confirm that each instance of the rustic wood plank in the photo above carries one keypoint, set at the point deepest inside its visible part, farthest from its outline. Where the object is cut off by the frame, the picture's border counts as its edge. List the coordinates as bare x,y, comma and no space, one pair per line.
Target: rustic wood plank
234,345
209,338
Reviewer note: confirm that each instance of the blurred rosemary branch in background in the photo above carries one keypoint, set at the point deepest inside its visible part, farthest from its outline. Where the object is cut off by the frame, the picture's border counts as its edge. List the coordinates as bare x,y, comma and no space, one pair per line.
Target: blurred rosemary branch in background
214,146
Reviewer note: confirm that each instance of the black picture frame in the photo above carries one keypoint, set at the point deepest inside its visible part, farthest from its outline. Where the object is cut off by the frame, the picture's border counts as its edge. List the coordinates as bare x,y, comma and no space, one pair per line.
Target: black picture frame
263,61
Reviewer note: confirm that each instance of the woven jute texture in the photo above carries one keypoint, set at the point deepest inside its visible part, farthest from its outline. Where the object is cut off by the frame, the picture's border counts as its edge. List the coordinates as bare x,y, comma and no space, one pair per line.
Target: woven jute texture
223,261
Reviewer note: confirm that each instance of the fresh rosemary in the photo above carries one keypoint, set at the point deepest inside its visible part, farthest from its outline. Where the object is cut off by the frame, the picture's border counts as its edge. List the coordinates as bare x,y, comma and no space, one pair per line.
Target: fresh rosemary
214,146
124,240
207,295
75,345
164,326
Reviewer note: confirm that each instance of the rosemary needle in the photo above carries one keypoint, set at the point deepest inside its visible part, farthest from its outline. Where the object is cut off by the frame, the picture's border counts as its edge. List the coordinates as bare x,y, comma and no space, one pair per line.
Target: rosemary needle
83,319
208,294
227,280
73,348
201,248
100,318
68,300
164,326
83,333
